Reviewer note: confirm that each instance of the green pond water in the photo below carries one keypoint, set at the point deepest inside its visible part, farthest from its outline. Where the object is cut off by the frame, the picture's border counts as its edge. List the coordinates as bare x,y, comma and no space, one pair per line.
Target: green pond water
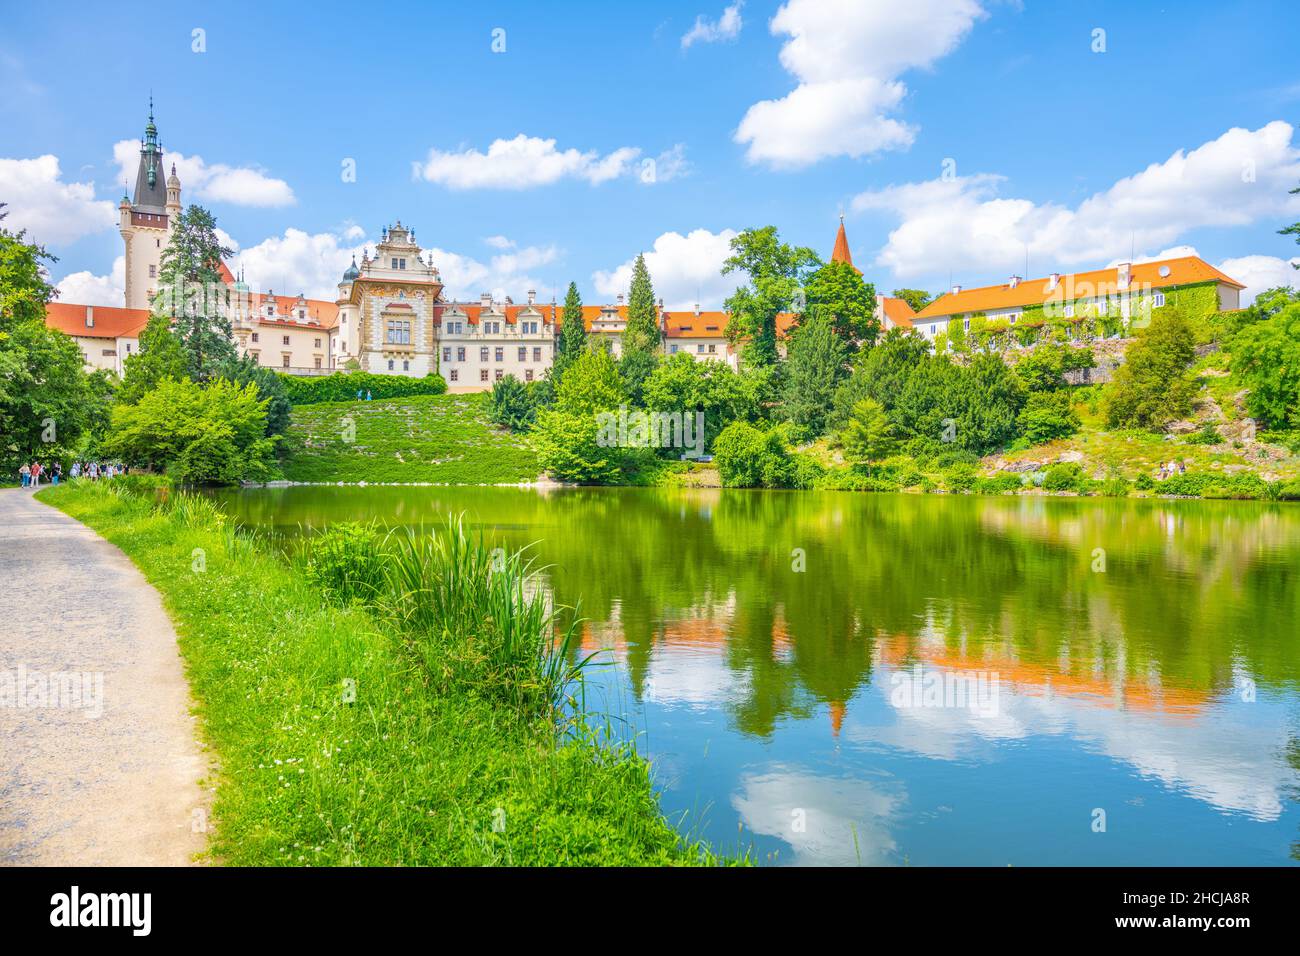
832,678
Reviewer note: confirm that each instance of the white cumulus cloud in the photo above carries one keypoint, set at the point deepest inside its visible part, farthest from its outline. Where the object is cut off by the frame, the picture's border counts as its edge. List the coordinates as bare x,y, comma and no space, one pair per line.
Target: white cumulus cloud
53,211
683,269
963,224
86,288
215,182
847,56
1259,273
524,162
726,27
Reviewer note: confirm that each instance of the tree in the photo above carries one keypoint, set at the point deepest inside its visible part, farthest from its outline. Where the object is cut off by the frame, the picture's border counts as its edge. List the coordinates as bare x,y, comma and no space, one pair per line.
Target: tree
1048,415
24,292
568,436
192,294
1266,358
713,389
641,333
573,334
918,299
869,435
838,293
748,457
814,371
271,388
199,435
160,356
1293,230
1154,385
879,373
591,385
510,405
777,272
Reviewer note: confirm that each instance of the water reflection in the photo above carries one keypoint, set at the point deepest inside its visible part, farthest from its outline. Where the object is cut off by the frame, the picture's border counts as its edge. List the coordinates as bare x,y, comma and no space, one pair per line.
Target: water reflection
1140,655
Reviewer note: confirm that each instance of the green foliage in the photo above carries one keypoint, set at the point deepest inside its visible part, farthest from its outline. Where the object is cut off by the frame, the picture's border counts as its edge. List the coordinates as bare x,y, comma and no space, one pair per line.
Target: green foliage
777,272
837,293
1046,416
918,299
569,447
349,386
199,435
160,356
816,366
23,270
346,561
511,405
191,293
1154,385
869,435
748,457
641,333
634,367
1043,368
1206,435
244,370
1266,359
681,384
592,384
1065,476
573,333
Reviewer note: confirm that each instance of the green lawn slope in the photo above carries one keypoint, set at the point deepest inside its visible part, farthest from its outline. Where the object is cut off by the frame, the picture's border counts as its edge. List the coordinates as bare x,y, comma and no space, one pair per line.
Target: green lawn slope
424,438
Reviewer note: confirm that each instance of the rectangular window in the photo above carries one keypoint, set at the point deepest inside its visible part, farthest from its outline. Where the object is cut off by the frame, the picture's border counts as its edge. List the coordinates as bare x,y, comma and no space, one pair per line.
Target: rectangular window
523,353
713,348
399,332
528,375
1158,299
499,374
500,354
153,272
254,336
455,375
390,365
460,354
318,361
700,348
284,340
406,365
673,348
446,355
537,353
483,354
482,375
284,360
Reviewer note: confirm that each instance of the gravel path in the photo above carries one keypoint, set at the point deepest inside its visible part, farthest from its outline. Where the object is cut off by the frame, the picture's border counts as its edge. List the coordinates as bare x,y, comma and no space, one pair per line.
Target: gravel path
117,789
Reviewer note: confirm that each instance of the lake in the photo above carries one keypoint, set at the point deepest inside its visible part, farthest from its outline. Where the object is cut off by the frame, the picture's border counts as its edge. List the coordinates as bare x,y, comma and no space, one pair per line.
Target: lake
838,678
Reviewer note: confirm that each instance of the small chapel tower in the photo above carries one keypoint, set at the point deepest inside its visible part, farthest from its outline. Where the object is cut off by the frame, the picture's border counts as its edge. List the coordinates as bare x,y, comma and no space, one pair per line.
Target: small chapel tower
146,219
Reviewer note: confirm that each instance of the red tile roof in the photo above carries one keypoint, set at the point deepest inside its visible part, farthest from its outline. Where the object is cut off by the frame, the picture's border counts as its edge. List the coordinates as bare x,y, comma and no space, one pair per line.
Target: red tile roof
897,311
110,322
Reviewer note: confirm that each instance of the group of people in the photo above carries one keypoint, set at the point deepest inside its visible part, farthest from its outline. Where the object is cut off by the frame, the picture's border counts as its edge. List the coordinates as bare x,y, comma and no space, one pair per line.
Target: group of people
32,475
1171,469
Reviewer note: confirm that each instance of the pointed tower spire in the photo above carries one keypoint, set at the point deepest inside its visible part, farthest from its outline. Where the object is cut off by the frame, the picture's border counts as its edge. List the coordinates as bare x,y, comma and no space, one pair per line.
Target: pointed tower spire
841,251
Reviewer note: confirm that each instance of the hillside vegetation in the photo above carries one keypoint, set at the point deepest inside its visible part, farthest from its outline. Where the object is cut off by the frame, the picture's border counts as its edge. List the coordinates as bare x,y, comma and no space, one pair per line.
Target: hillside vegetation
425,438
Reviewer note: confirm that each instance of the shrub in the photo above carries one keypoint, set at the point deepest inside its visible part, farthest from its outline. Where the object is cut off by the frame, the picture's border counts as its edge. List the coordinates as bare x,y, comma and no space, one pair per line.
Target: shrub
750,458
869,436
1208,435
1065,476
961,477
346,562
345,386
1154,386
1048,415
510,404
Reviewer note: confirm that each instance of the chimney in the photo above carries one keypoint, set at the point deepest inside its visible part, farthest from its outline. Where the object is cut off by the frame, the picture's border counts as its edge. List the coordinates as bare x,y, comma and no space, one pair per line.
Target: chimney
485,300
1053,281
90,316
1124,270
697,308
620,298
532,296
956,289
661,304
1013,282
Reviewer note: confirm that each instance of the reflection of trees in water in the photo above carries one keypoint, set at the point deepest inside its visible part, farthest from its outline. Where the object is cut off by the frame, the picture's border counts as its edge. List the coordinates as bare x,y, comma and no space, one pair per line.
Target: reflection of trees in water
1192,592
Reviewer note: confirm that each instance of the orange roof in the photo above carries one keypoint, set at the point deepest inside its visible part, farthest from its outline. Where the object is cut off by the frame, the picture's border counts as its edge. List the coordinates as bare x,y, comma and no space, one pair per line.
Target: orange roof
320,313
110,322
841,251
1079,285
897,311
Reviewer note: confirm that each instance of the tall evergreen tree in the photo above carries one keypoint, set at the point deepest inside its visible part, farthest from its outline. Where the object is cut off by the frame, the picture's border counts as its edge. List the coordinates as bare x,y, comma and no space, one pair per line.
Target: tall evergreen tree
192,294
160,356
642,331
573,333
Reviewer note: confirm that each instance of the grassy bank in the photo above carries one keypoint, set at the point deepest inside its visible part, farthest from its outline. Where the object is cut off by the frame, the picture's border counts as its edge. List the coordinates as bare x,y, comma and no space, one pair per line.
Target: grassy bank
424,438
346,737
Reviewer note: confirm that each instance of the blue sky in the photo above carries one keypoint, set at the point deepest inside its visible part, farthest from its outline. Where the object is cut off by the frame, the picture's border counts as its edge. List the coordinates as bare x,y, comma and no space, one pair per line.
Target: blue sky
956,135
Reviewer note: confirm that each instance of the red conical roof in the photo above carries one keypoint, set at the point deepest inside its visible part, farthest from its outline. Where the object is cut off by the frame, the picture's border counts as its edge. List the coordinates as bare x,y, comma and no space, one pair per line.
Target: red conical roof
841,251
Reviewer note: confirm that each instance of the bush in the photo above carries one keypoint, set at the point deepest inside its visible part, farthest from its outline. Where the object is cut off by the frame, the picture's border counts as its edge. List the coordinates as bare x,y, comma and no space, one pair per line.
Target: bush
346,562
961,477
344,387
1046,416
1154,386
1208,435
749,458
510,404
1065,476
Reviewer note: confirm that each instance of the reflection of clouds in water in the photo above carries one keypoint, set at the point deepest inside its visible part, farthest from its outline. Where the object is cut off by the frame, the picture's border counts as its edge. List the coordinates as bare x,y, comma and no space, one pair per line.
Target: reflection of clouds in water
832,809
697,679
1228,759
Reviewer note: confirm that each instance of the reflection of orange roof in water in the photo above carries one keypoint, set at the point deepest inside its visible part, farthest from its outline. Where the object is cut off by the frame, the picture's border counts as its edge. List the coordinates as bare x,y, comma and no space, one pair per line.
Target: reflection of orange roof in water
1174,701
837,717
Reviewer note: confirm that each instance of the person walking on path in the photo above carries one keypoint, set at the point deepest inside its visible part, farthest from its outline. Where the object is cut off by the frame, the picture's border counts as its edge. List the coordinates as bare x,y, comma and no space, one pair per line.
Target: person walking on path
56,472
36,474
25,473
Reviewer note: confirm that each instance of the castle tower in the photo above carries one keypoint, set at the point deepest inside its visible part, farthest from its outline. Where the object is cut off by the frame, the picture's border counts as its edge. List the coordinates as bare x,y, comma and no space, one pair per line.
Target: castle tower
146,219
841,251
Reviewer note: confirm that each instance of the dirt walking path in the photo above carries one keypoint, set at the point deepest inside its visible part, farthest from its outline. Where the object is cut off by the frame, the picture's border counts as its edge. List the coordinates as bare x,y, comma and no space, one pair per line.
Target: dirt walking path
100,766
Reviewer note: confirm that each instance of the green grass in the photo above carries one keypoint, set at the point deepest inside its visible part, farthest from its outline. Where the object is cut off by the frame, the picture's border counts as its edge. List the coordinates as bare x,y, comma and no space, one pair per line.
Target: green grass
443,439
415,768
